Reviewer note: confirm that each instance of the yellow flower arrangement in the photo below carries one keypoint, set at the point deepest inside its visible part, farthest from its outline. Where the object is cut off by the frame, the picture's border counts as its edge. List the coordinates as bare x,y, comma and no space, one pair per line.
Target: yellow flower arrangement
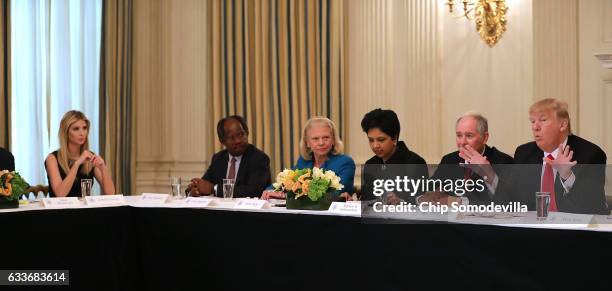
311,183
12,185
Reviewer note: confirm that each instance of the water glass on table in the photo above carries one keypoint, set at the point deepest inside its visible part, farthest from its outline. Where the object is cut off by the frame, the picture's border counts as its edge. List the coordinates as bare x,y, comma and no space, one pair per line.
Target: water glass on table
175,185
86,185
228,188
542,205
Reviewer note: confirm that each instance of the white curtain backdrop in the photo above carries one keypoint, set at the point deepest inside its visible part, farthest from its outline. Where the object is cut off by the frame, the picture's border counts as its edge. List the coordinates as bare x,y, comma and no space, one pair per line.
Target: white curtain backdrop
55,55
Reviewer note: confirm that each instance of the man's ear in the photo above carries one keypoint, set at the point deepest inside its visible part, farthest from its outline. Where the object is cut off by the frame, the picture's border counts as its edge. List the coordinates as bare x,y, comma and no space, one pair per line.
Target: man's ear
485,138
564,125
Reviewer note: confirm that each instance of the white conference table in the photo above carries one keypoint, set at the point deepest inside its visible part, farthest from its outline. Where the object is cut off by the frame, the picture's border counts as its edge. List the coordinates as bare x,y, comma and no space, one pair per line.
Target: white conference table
602,223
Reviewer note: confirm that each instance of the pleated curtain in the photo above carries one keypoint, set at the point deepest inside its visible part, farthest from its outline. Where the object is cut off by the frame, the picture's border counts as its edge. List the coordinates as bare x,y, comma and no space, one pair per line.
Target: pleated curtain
277,63
117,122
5,75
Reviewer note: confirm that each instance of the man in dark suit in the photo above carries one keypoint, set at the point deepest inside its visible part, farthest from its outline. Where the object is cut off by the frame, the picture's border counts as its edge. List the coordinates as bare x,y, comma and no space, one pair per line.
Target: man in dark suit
7,161
240,160
571,168
473,160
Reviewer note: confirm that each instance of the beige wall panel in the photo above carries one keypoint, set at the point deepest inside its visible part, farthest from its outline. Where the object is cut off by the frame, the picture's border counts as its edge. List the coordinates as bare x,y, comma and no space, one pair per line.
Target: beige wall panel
188,79
498,81
393,62
170,88
555,29
607,16
595,37
151,127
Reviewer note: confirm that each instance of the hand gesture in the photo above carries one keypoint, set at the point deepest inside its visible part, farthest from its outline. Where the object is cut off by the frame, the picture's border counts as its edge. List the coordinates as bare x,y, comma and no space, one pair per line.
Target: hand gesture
269,194
98,162
346,196
85,156
392,199
199,187
433,197
477,162
563,163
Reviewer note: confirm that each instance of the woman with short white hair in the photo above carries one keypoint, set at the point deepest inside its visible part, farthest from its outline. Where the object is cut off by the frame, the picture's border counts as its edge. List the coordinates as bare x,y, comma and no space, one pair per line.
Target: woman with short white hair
321,147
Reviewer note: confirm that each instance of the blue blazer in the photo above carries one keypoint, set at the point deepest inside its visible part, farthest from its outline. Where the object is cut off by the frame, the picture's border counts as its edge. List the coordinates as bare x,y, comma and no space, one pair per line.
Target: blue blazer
342,165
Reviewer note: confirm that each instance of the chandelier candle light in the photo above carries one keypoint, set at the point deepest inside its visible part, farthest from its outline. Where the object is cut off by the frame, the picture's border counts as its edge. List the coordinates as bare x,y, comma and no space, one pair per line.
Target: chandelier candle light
490,17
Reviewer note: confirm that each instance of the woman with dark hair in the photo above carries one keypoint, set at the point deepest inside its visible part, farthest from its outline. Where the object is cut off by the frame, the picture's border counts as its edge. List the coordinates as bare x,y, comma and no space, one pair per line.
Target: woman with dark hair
383,128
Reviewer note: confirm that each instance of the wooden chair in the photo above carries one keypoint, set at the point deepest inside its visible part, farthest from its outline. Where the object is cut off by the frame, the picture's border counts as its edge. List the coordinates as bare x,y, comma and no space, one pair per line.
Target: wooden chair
38,188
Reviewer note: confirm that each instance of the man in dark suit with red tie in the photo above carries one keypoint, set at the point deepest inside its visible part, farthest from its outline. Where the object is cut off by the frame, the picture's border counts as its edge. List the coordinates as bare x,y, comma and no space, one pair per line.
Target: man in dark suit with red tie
571,168
471,135
240,160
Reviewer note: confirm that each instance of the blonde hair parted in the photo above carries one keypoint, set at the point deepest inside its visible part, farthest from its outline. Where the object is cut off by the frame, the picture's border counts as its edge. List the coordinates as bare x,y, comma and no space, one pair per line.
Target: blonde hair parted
337,148
558,106
63,156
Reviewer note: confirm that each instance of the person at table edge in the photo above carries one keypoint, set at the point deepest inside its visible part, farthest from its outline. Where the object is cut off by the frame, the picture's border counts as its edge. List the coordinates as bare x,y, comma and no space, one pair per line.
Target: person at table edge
7,161
73,161
240,160
382,128
571,168
321,147
471,136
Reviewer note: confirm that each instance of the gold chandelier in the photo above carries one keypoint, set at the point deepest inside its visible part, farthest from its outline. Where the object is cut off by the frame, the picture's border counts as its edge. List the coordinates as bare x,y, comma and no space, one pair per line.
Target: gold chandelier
490,17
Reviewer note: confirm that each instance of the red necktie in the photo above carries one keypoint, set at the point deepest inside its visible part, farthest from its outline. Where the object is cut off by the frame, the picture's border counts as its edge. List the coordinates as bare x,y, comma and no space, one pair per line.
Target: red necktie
232,171
548,184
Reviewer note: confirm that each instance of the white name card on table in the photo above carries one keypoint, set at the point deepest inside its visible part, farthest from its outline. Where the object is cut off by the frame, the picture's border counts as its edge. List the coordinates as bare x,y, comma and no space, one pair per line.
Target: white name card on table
61,202
153,199
345,208
105,200
200,202
252,204
583,220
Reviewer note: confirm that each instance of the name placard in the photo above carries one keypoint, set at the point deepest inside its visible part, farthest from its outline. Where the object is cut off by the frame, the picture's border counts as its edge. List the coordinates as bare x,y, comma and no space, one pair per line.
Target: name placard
345,208
583,220
153,199
199,202
252,204
61,202
105,200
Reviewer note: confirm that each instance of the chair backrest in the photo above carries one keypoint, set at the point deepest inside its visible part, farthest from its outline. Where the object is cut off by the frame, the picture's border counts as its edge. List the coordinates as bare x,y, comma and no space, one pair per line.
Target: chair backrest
38,188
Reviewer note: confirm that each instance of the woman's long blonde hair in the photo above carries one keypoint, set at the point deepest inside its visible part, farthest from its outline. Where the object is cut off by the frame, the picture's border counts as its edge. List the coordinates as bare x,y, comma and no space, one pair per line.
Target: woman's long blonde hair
63,156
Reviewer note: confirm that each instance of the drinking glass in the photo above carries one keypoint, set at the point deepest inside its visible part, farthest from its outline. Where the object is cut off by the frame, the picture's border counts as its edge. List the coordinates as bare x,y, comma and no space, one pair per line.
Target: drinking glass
542,204
228,188
86,185
175,185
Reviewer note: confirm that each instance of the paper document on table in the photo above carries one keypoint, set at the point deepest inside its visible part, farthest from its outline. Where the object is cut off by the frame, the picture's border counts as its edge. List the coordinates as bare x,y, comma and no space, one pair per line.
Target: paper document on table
152,199
200,202
61,202
345,208
575,220
105,200
253,204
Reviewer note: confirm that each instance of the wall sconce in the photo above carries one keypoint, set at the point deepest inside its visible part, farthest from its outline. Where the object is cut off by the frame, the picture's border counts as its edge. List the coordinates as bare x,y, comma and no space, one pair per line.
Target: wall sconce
490,17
